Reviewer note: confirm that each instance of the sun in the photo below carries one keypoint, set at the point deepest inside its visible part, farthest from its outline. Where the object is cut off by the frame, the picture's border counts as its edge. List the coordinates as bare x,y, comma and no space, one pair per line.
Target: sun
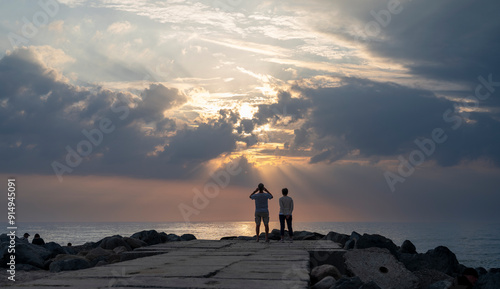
246,111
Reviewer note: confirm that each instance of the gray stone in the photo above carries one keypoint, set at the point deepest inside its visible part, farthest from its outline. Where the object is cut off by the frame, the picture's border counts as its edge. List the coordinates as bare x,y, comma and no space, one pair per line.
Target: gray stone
351,243
98,252
31,254
54,249
151,237
337,238
428,276
370,285
72,262
109,243
377,241
188,237
491,280
134,243
324,283
408,248
443,284
380,266
347,283
173,238
320,272
119,250
440,259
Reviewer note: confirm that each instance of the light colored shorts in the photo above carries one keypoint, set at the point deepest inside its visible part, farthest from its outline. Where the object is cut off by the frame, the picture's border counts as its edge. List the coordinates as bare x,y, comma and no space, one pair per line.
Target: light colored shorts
263,216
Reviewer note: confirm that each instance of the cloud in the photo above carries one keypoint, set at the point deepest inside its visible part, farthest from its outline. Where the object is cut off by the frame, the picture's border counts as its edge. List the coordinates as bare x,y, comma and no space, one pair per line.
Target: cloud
43,117
120,27
372,119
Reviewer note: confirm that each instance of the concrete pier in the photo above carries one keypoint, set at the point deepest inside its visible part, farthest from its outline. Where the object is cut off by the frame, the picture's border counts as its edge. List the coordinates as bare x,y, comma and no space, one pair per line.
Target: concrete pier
203,264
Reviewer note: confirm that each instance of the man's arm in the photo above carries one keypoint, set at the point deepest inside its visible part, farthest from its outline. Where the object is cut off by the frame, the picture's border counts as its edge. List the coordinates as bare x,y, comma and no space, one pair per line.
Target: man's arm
256,190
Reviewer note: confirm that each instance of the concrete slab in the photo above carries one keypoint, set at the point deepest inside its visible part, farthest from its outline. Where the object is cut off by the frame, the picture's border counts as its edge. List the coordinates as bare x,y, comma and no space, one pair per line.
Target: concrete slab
201,264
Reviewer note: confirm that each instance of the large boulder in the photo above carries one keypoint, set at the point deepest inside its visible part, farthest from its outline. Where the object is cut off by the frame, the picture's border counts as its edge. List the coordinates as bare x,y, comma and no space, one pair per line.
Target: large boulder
491,280
173,238
348,283
188,237
378,241
33,255
306,235
440,259
69,263
134,243
54,249
380,266
408,248
337,238
98,253
109,243
351,243
324,283
427,277
151,237
320,272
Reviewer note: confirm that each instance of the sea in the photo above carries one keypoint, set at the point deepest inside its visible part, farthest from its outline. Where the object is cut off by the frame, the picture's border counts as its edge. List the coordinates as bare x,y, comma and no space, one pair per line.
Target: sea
474,244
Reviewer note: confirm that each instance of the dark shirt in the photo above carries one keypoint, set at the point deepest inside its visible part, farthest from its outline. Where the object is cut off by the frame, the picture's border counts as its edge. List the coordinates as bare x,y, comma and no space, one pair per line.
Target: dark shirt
38,241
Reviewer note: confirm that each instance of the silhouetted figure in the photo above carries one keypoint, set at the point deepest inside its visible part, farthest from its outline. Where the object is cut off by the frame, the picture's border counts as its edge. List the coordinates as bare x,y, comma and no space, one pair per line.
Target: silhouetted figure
261,209
25,237
286,209
69,245
466,280
37,240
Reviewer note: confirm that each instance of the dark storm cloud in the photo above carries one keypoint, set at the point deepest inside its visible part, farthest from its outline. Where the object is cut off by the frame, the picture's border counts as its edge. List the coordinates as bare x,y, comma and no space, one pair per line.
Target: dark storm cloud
384,119
287,106
43,118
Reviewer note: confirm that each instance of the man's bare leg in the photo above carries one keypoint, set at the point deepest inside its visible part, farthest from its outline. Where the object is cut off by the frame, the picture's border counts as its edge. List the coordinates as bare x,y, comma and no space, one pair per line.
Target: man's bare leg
267,231
257,231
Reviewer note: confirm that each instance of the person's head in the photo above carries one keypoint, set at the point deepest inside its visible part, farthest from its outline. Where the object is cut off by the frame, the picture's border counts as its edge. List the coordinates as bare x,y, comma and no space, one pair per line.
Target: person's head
69,244
26,235
261,187
471,274
284,191
37,236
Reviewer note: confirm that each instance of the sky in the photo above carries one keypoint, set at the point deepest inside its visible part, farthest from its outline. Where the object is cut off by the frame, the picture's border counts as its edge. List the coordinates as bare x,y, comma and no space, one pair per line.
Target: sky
175,110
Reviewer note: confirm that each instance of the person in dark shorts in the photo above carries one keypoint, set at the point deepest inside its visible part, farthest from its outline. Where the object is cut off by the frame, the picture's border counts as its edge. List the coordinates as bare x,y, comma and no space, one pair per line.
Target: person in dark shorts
261,209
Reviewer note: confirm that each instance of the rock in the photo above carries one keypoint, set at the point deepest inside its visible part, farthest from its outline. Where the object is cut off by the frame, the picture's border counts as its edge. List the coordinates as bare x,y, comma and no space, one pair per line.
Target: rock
380,266
245,238
324,283
120,249
378,241
491,280
134,243
320,272
114,258
101,263
350,244
72,262
370,285
348,283
54,249
109,243
481,271
443,284
440,259
408,248
305,235
229,238
173,238
188,237
337,238
427,277
97,253
151,237
26,267
33,255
